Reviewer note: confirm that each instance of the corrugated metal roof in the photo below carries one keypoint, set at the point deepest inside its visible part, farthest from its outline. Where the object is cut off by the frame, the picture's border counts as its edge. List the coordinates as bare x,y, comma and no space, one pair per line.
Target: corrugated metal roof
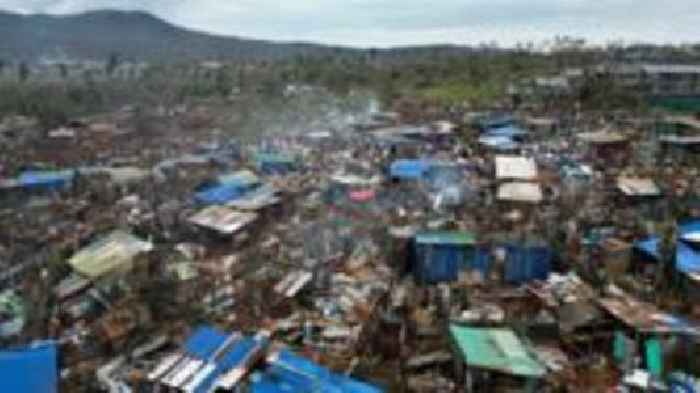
446,238
495,349
638,187
223,219
514,167
520,192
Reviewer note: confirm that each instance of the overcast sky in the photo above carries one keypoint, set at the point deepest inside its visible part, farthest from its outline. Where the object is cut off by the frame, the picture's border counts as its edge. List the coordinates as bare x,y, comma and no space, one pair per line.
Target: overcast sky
407,22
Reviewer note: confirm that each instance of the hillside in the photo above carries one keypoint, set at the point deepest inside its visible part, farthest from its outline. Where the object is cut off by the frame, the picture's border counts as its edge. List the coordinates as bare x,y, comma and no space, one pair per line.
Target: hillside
134,35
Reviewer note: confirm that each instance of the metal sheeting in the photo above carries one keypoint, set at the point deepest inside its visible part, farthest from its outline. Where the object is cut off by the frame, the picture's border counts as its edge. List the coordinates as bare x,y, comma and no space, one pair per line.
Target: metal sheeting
222,219
495,349
525,264
29,370
520,192
445,238
441,262
514,167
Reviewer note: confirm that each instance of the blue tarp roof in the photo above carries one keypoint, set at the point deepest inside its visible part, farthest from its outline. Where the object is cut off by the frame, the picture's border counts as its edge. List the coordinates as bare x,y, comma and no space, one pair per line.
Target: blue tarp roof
687,255
219,194
409,169
648,247
29,370
509,131
45,179
291,373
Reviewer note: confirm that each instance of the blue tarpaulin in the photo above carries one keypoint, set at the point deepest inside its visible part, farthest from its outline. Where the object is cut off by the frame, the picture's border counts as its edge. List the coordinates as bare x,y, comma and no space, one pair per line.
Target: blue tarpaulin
291,373
29,370
687,256
526,263
45,180
219,194
409,169
648,247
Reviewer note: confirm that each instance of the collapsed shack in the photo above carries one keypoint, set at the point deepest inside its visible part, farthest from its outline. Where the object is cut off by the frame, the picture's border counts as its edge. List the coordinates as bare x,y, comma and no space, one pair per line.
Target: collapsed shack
480,352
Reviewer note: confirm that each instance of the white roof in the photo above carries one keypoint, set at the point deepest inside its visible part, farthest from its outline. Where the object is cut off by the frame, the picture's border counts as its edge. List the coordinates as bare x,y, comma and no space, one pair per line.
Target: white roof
223,219
637,187
514,167
520,192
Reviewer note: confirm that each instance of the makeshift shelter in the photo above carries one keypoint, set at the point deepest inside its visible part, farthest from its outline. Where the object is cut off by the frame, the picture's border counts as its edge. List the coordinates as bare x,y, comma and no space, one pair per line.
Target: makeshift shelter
111,254
46,180
638,187
222,219
32,369
275,163
613,147
520,192
494,349
515,168
687,257
440,256
291,373
409,169
688,249
210,359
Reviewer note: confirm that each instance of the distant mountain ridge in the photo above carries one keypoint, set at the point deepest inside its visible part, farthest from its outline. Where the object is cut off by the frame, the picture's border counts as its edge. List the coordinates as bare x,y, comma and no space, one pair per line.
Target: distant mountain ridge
134,35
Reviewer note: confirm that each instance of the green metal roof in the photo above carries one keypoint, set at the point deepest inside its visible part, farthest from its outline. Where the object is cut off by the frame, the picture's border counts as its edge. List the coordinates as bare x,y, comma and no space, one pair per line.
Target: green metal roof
495,349
446,238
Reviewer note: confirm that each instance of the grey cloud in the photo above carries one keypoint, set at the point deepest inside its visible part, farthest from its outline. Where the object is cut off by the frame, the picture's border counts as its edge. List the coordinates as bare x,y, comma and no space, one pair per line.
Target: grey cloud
389,22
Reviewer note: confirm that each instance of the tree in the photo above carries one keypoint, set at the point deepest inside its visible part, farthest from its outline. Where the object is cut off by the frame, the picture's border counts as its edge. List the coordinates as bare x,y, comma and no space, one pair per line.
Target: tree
23,71
112,63
63,70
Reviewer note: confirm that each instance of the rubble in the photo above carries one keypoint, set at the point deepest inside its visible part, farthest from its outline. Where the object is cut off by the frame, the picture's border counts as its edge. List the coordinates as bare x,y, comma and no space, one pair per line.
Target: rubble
470,255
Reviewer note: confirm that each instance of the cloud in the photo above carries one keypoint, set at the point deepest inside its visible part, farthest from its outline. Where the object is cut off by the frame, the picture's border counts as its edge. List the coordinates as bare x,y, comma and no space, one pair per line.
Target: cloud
408,22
